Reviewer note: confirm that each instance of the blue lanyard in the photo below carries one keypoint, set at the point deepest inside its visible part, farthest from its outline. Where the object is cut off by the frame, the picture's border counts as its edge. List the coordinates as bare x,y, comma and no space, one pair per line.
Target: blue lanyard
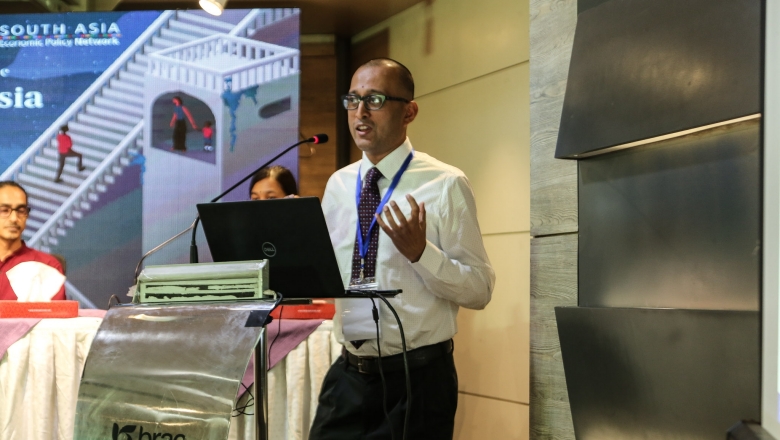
364,241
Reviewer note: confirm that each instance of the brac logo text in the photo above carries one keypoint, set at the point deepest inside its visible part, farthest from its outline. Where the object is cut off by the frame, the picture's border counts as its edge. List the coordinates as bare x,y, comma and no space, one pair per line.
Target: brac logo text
127,432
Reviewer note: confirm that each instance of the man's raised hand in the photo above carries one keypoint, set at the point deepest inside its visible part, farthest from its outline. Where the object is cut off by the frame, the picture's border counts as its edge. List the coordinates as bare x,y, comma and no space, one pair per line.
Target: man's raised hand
408,234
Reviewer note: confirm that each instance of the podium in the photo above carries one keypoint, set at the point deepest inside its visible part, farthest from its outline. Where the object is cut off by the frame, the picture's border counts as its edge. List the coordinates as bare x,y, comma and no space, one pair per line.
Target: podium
172,370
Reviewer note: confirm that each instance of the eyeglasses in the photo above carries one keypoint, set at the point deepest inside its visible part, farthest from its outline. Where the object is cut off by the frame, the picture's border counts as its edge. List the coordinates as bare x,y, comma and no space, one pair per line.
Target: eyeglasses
21,211
374,101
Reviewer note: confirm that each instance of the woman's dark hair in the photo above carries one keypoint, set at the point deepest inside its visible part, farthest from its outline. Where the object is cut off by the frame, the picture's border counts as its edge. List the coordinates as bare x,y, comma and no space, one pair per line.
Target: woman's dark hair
278,173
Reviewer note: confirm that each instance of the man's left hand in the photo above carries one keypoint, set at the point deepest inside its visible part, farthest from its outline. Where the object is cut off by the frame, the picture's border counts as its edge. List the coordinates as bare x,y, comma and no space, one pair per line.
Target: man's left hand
408,234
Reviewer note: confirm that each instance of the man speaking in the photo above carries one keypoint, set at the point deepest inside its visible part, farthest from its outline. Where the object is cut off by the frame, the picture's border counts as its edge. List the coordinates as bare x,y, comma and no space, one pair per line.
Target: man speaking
398,219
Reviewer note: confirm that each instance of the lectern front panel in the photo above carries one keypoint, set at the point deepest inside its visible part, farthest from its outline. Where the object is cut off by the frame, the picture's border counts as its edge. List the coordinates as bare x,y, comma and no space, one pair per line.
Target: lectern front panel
166,372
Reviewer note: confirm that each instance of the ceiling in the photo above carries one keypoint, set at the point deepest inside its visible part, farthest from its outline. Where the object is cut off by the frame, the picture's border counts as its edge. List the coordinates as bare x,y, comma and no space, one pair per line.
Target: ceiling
339,17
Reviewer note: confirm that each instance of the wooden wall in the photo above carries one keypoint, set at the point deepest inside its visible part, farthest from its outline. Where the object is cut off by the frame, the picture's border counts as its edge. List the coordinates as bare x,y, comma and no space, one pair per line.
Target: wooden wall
320,104
375,46
553,216
318,115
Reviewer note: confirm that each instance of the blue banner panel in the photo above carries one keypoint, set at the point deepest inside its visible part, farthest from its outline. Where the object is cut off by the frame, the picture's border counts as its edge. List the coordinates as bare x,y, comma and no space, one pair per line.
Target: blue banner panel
167,109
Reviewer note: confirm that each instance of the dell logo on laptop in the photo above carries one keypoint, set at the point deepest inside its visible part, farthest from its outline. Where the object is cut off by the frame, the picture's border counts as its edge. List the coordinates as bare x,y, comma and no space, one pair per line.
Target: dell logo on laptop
269,249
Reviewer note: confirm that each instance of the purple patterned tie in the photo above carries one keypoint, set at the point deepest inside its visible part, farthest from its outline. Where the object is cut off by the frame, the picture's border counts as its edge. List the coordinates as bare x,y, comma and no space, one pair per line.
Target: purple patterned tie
369,201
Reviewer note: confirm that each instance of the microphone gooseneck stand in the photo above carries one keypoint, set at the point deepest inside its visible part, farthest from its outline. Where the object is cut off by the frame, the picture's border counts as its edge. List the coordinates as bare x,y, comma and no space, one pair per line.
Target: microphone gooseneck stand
318,139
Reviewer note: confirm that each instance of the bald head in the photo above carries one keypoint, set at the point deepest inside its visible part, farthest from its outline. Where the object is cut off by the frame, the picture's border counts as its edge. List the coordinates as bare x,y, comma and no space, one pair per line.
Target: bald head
379,131
399,75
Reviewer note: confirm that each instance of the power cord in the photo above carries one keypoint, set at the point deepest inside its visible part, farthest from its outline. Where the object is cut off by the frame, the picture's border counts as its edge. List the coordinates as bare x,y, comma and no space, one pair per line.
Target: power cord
278,331
375,314
114,298
241,410
279,328
406,364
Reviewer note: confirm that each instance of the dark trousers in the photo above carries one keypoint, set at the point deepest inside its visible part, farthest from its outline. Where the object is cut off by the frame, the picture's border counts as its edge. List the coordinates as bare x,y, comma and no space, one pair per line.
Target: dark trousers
350,403
62,157
180,135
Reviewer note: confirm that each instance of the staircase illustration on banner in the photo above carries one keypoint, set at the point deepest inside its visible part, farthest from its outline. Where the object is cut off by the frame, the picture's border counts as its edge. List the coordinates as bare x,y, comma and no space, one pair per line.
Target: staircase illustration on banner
106,124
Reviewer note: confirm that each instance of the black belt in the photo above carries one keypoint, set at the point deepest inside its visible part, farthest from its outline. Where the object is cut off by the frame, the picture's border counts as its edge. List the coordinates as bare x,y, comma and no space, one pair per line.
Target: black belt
416,358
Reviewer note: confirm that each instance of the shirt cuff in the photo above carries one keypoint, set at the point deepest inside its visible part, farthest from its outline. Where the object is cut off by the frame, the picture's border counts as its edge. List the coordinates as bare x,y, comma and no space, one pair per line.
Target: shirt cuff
430,260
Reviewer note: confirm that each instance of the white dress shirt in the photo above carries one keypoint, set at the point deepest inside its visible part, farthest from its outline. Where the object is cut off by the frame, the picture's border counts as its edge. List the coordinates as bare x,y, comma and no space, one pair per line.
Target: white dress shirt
453,271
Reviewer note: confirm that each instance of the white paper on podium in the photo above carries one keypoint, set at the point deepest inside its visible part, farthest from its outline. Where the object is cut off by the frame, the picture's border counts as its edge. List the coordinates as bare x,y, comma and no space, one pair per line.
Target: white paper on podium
357,322
34,281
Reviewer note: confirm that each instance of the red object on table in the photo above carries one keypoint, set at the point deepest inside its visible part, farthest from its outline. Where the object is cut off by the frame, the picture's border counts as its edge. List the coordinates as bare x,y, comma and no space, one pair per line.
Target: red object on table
305,311
52,309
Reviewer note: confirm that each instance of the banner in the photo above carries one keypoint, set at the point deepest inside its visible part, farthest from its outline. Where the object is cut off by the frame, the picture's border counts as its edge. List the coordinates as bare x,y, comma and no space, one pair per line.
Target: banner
167,109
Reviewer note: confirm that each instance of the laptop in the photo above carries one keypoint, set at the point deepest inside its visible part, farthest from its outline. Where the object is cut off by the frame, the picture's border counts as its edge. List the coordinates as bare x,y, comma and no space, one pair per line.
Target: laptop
290,233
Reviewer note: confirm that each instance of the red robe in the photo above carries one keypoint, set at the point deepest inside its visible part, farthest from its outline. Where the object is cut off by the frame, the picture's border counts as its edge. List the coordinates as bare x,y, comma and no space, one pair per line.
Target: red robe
22,255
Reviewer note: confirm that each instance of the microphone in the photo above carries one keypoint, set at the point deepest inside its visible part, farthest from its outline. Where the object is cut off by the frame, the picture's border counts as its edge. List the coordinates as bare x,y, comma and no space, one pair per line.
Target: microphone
319,139
316,139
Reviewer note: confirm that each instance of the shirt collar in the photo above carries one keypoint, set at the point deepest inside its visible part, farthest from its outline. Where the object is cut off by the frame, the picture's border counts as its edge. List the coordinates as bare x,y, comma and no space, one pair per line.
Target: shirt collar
390,164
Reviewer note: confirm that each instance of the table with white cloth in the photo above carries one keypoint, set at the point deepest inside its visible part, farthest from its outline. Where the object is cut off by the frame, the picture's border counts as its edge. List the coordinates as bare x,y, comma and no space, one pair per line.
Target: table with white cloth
293,388
39,379
40,374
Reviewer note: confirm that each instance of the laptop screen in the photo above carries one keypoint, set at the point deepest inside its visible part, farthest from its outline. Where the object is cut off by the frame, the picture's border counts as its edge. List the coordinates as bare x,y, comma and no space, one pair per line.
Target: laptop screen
290,233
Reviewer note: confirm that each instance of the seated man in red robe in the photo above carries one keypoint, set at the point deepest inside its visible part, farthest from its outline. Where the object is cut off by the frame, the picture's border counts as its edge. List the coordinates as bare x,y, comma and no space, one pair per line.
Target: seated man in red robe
23,270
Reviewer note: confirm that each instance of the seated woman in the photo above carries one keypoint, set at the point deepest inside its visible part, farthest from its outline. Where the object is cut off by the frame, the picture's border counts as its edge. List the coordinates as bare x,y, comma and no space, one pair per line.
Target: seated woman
272,183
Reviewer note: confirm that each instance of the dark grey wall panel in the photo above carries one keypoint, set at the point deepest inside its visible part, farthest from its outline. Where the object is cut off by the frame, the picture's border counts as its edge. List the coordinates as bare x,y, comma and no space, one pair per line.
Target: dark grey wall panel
644,68
673,225
659,374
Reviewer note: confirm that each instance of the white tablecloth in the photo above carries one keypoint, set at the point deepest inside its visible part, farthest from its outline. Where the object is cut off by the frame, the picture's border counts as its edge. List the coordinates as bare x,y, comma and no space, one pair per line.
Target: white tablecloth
293,387
39,379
